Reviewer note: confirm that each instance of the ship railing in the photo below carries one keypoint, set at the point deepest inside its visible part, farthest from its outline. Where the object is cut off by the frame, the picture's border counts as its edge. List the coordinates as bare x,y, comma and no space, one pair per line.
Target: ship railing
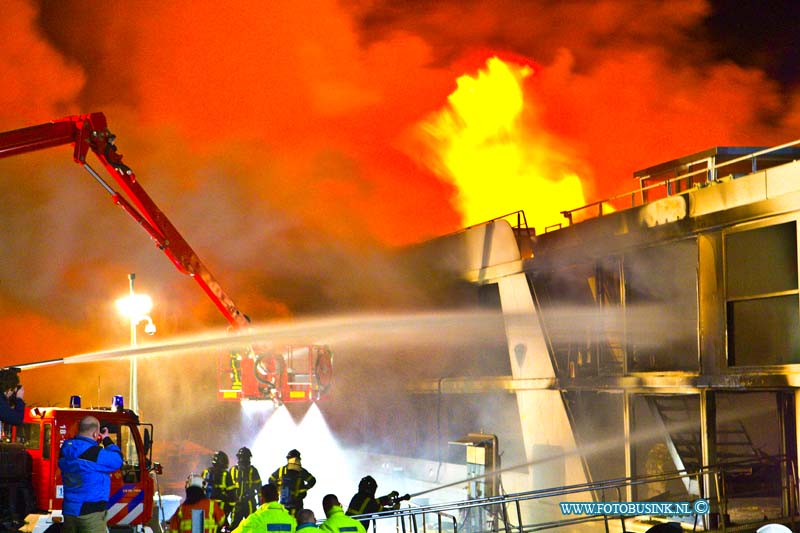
511,513
666,187
516,220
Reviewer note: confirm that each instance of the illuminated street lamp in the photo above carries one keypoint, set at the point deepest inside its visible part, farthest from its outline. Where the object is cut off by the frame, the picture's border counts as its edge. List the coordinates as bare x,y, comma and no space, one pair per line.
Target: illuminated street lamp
135,308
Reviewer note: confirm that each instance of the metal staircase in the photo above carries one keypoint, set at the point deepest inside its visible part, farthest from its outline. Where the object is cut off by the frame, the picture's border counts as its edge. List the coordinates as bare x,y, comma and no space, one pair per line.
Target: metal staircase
677,418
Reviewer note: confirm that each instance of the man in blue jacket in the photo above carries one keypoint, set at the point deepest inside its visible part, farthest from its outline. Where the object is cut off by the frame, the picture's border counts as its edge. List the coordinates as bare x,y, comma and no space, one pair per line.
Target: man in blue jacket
85,467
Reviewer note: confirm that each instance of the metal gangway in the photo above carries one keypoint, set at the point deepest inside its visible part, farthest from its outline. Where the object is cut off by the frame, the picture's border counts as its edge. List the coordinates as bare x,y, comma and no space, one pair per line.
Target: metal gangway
507,513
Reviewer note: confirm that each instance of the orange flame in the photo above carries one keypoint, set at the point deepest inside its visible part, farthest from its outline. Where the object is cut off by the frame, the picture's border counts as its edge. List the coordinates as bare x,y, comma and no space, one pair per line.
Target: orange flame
489,143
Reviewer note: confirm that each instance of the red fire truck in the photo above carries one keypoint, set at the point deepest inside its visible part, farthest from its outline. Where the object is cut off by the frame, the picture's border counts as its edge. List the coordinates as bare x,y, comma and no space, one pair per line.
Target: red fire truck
29,474
30,480
281,374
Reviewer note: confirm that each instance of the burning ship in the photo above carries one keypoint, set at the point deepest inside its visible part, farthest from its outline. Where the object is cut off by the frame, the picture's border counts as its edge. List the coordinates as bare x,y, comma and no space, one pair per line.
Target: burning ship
652,340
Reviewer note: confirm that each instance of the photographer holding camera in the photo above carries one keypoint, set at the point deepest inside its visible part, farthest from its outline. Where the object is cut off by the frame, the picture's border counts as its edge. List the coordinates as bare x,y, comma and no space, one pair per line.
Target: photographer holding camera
86,462
12,408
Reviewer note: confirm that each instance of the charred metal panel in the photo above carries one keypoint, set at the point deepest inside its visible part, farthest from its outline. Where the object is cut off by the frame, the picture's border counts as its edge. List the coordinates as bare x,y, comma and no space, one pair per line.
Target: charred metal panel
711,286
783,179
725,195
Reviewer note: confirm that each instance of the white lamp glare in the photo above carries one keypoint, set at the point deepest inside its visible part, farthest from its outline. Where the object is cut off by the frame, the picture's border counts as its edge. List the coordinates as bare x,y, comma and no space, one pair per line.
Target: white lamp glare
135,305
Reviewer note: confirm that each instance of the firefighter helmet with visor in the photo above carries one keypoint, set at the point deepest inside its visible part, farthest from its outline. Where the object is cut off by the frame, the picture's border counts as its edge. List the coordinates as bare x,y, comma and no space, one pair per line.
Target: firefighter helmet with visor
293,454
244,453
367,485
220,460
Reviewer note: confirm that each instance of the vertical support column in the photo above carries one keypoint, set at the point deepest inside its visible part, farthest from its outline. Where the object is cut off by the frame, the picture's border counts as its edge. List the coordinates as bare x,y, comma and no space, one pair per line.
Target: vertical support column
134,385
787,420
546,429
711,288
630,456
708,443
795,458
623,304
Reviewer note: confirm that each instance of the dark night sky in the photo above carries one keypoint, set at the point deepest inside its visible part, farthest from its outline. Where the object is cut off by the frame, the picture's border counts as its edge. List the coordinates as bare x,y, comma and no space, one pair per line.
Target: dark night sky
758,34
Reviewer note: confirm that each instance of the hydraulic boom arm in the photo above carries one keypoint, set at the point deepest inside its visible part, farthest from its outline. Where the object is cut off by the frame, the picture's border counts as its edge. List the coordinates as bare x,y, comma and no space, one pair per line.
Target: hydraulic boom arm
90,132
250,374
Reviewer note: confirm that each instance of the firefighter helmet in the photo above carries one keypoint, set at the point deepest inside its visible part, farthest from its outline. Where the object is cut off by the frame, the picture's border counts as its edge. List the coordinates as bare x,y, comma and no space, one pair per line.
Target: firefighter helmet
220,460
193,480
293,454
367,485
244,453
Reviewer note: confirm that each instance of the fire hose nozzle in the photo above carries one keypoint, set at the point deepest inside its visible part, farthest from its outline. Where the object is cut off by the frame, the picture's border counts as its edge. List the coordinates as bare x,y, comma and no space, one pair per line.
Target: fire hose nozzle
397,499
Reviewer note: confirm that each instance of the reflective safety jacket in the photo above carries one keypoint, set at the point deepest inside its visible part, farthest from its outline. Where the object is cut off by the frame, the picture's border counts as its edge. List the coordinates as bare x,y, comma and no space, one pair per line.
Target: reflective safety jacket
338,522
363,503
213,516
293,482
220,486
246,491
270,517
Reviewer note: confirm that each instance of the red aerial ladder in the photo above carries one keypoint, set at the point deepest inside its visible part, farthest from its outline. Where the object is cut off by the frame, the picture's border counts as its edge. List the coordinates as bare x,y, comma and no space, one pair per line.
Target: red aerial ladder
283,374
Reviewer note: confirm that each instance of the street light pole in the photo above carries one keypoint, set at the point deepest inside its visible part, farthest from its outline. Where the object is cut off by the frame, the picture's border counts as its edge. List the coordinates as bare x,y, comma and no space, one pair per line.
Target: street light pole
135,307
134,370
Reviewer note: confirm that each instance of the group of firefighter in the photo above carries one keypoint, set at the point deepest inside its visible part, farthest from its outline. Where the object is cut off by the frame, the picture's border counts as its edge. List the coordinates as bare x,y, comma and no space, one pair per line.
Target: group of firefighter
228,496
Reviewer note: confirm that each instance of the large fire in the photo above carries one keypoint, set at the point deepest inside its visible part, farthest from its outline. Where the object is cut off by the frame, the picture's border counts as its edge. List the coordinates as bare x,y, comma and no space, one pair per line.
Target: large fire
489,143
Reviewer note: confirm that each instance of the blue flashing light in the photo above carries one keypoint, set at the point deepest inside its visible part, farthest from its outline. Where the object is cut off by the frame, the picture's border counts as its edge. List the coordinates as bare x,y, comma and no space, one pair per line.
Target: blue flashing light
75,402
118,403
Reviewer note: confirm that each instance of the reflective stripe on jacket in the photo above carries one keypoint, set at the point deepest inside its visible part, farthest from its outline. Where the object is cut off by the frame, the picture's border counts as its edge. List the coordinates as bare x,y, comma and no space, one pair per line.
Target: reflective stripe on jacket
271,516
213,516
220,485
301,481
338,522
246,487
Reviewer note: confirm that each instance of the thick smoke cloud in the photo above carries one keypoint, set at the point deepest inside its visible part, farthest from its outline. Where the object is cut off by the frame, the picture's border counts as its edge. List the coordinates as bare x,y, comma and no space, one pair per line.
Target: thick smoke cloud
626,84
38,81
276,138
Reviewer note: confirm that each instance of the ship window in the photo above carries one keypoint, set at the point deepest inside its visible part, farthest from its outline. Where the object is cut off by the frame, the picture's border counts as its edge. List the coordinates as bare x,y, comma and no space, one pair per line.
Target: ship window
763,310
661,307
666,438
596,415
567,302
609,342
748,432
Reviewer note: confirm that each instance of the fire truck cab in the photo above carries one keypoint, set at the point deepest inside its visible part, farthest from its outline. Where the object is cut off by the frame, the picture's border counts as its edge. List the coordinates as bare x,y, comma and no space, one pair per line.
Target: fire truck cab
37,489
